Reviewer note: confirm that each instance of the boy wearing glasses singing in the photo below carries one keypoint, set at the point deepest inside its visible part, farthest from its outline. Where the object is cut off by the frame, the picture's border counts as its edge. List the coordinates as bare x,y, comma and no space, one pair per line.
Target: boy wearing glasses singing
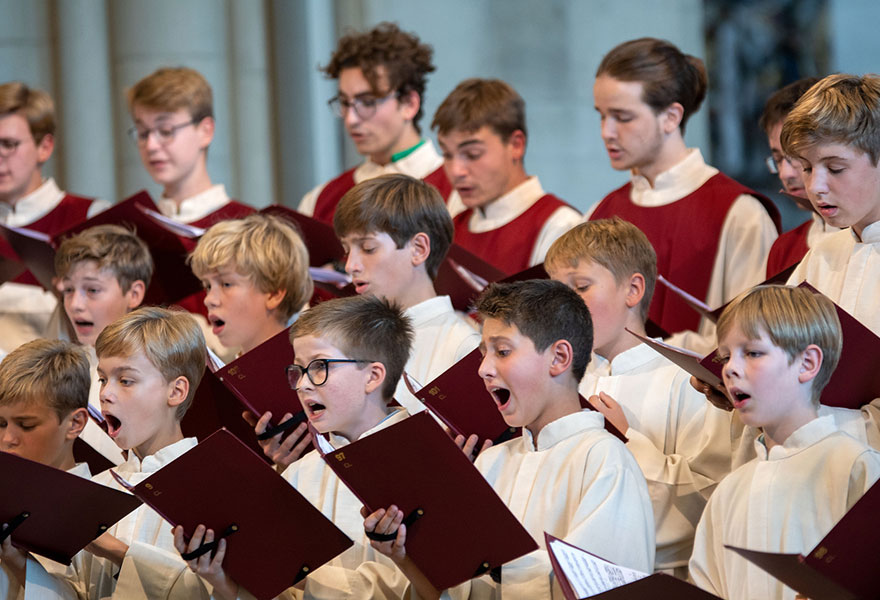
350,353
173,117
381,75
27,139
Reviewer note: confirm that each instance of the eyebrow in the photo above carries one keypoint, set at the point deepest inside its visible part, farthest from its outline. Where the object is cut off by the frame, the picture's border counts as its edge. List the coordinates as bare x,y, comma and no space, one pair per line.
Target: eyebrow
470,142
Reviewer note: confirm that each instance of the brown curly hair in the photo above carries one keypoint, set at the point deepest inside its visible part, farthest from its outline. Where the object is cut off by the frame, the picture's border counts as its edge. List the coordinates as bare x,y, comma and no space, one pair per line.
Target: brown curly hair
404,59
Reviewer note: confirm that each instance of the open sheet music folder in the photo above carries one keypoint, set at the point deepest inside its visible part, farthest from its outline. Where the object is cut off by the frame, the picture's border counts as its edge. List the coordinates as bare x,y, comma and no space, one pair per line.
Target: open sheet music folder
54,513
459,527
278,538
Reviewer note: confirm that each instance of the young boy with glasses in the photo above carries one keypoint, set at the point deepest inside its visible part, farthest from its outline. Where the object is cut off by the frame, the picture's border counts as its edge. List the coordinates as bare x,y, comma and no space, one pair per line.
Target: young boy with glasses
350,353
173,115
381,75
790,247
27,139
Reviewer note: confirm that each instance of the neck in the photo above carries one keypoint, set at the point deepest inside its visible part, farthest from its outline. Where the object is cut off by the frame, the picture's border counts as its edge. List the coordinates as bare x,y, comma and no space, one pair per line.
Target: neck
374,413
672,152
624,341
270,329
409,138
422,289
67,461
194,184
559,402
171,434
777,433
516,180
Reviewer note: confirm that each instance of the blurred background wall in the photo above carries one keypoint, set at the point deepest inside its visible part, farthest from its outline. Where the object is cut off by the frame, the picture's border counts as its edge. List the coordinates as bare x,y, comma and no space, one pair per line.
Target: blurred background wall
276,137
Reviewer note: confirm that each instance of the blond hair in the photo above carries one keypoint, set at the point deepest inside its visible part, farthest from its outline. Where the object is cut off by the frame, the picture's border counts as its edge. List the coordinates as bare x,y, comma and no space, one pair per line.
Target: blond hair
400,206
266,249
793,318
53,371
114,248
840,109
173,88
170,339
35,106
363,327
617,245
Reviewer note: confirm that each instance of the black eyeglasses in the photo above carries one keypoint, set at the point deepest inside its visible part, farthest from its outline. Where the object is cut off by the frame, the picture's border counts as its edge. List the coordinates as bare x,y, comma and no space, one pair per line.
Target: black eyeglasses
317,371
364,106
773,164
164,133
8,146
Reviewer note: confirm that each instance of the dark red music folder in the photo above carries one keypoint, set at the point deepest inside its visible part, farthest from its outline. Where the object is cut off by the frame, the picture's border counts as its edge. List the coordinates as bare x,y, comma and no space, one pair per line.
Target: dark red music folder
463,275
458,526
706,369
658,586
459,399
843,566
324,247
279,538
64,512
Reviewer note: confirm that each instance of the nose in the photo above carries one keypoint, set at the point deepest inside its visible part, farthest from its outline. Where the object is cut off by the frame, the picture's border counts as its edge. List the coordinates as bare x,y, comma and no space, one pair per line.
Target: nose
487,367
76,301
351,117
152,141
352,263
731,368
455,168
789,170
9,439
211,297
815,183
608,129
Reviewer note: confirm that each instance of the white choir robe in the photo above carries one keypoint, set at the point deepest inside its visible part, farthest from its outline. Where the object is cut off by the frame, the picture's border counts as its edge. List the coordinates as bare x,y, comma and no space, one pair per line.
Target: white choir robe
581,484
151,569
785,501
681,442
442,338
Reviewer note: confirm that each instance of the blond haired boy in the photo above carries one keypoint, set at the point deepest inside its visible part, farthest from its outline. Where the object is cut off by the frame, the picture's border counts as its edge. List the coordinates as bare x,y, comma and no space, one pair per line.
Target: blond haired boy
566,475
150,362
255,272
396,231
779,347
27,139
381,75
680,441
350,353
103,274
505,217
173,114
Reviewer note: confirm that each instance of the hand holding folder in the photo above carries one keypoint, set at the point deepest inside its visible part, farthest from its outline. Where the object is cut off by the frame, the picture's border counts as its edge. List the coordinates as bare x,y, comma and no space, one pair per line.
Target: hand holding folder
458,527
584,575
275,537
53,513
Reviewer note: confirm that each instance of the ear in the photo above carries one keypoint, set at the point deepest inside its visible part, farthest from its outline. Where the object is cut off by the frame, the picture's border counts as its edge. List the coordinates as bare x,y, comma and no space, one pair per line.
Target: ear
420,248
205,128
635,290
178,390
671,117
44,148
78,420
810,363
376,377
275,298
135,294
517,144
410,104
561,357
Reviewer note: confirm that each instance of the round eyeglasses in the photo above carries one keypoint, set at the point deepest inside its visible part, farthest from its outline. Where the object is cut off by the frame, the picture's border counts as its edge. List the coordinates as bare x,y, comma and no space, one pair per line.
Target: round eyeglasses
773,164
364,106
164,133
317,371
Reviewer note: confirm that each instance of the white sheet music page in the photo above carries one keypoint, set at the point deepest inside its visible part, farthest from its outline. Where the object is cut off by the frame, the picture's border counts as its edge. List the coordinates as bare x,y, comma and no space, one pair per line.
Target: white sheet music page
590,575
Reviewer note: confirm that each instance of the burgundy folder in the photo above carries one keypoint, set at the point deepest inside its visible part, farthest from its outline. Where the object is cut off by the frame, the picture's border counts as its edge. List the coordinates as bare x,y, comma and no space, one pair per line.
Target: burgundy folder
458,527
274,536
843,566
84,452
56,514
707,369
459,399
658,586
535,272
324,247
463,275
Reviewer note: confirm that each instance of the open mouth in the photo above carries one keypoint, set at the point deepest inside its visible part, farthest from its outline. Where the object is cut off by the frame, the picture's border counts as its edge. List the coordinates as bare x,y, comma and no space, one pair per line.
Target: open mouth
84,324
216,324
113,425
316,409
360,286
739,398
501,396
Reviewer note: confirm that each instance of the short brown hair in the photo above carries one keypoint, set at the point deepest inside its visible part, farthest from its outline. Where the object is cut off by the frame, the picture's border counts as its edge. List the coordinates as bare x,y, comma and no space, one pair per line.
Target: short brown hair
171,340
793,318
400,206
782,101
113,248
478,102
840,109
405,61
35,106
667,75
363,327
264,248
53,371
617,245
172,88
545,311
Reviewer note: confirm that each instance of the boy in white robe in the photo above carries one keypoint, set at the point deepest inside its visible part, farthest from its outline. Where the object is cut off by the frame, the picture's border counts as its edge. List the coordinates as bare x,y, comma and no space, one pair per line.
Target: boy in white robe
680,441
149,363
566,475
44,390
779,346
350,352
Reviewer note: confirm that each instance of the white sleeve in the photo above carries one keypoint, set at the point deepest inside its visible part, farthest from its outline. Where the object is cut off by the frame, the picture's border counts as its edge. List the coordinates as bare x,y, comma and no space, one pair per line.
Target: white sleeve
703,568
10,588
149,572
562,219
308,202
97,206
60,584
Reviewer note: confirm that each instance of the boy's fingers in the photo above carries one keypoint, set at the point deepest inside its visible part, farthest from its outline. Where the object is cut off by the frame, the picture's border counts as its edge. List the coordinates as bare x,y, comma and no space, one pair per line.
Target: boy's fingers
263,423
372,520
250,417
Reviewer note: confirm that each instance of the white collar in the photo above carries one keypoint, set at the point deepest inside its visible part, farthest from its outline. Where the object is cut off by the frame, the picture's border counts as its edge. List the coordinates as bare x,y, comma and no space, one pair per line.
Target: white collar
624,362
507,207
562,428
870,234
34,206
803,437
195,207
673,184
154,462
419,163
426,310
395,415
